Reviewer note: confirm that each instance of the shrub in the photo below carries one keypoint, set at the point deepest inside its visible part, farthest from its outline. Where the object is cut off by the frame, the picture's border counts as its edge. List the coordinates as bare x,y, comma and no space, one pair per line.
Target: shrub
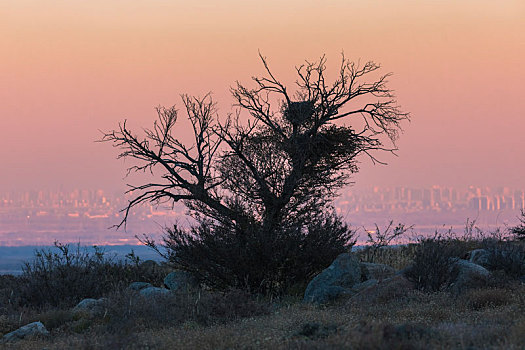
9,285
379,239
433,260
399,257
507,256
226,257
519,230
65,276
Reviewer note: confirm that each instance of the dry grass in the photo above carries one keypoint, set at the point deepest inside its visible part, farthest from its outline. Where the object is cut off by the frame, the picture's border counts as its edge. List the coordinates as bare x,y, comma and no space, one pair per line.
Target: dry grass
398,257
390,315
489,318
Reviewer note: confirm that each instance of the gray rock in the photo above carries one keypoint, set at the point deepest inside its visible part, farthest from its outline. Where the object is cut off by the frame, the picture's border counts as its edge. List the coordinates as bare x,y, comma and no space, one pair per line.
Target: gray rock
392,288
359,287
139,285
479,256
29,330
91,306
180,281
335,280
154,292
376,271
467,275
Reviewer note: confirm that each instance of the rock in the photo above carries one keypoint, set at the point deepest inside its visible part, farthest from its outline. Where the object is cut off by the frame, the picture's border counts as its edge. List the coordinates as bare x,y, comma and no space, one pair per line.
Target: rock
359,287
29,330
335,280
479,257
154,292
180,281
376,271
91,306
467,275
136,286
392,288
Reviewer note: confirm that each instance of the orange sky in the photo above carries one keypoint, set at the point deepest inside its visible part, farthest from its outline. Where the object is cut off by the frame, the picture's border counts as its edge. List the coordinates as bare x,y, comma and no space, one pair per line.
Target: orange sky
70,68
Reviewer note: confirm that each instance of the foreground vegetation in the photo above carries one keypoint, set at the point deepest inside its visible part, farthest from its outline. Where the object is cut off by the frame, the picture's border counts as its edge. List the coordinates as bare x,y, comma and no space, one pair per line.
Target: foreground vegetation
403,312
480,319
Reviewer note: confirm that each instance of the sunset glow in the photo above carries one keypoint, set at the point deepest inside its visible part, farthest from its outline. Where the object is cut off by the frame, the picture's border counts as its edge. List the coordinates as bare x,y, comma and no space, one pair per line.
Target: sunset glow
68,69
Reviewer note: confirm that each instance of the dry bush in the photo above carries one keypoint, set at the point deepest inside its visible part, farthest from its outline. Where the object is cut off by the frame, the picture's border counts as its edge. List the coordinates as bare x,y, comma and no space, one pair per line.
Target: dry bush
382,238
66,275
9,296
398,257
433,261
225,257
519,231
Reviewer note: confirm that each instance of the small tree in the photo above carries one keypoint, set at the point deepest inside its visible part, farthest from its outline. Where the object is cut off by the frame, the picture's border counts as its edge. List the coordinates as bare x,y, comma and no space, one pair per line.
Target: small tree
519,231
261,189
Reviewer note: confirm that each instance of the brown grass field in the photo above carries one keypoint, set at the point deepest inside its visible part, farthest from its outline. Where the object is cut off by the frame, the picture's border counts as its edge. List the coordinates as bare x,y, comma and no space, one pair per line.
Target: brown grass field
391,315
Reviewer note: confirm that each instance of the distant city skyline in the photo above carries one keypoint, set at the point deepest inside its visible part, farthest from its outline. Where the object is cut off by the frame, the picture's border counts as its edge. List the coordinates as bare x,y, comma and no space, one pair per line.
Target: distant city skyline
87,215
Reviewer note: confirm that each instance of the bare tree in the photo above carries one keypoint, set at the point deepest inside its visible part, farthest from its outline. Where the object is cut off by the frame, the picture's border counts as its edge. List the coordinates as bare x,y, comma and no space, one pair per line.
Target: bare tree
276,168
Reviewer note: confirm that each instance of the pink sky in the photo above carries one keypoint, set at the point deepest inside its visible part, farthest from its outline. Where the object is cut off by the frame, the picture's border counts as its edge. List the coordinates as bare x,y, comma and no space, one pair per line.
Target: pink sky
70,68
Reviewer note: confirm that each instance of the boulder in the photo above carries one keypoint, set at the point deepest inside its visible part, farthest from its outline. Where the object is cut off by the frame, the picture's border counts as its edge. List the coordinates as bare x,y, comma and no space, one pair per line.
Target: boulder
29,330
335,280
465,275
479,257
392,288
376,271
91,306
359,287
154,292
136,286
180,281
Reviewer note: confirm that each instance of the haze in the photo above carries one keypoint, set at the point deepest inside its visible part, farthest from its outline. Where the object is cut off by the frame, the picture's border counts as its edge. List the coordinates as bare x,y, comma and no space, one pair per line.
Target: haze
68,69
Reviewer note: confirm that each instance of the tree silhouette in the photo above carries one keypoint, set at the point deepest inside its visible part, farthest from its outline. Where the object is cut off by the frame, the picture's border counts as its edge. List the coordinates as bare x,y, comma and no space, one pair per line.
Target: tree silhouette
261,181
